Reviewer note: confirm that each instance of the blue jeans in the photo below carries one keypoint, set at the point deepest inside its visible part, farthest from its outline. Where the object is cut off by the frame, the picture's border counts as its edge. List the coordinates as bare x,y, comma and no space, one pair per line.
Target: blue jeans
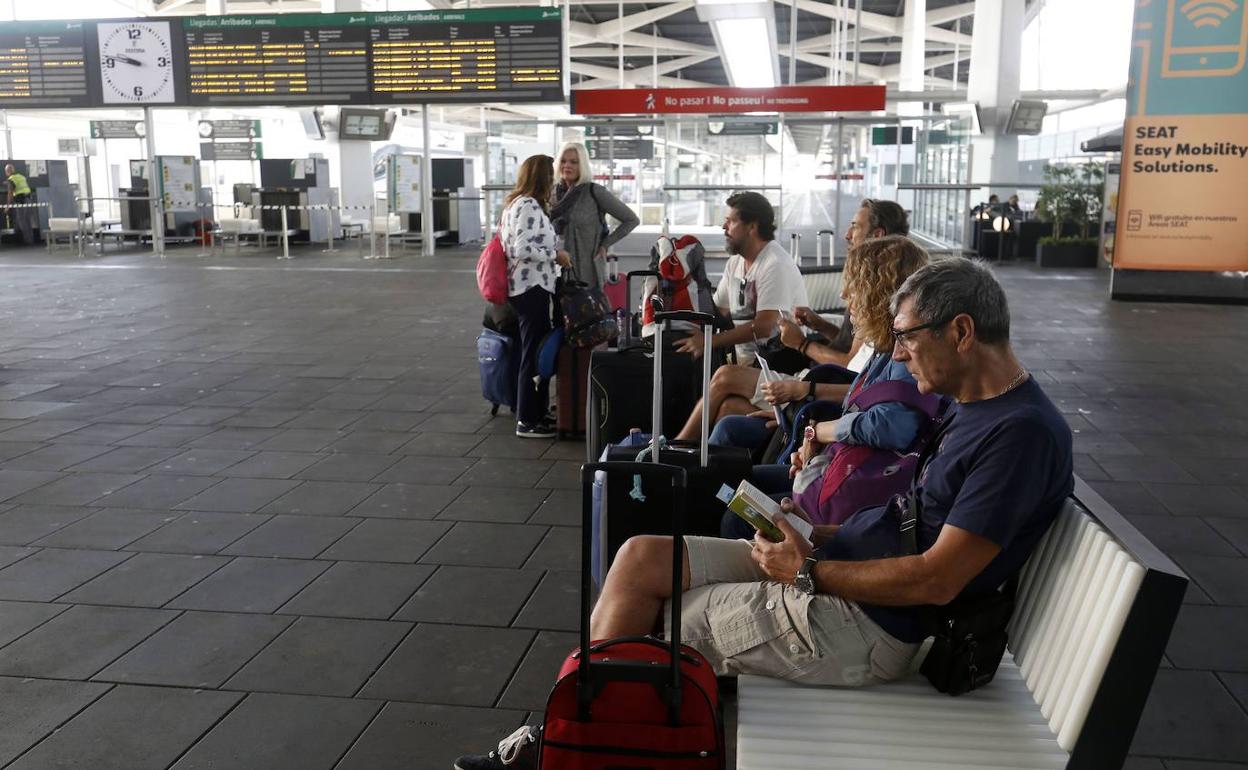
533,313
741,431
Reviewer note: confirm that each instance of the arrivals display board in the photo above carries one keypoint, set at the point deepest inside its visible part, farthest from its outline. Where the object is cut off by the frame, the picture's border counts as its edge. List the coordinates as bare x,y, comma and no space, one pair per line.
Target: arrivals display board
1181,204
496,54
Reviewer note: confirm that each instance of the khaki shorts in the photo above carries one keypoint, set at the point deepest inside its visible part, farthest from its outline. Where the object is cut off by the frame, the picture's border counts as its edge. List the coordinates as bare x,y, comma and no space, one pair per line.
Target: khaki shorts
746,624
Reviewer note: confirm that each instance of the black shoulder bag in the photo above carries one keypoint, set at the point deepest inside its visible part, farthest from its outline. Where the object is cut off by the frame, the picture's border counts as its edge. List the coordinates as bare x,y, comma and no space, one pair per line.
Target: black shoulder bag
969,633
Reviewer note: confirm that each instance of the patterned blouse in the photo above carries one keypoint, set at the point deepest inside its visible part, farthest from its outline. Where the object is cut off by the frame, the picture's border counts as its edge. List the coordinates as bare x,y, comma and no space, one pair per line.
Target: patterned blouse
529,240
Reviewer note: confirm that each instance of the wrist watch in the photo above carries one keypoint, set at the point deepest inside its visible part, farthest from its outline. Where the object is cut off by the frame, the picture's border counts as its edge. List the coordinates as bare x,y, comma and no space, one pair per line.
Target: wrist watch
809,433
804,581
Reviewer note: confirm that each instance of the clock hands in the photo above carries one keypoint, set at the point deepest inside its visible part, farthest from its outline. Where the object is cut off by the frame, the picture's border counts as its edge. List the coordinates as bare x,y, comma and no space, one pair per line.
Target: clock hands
127,60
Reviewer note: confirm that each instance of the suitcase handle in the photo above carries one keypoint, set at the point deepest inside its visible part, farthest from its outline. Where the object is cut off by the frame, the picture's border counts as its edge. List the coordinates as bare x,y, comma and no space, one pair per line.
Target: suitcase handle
701,319
650,640
662,321
676,476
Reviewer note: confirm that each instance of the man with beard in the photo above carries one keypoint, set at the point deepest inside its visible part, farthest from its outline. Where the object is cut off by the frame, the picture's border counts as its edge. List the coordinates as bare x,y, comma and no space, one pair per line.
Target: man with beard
759,280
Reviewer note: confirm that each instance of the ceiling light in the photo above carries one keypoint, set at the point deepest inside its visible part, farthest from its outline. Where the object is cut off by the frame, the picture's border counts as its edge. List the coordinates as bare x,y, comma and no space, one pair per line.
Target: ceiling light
750,63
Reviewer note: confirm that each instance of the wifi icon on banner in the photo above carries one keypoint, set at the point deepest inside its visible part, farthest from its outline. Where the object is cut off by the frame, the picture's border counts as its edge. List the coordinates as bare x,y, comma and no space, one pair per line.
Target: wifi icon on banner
1208,13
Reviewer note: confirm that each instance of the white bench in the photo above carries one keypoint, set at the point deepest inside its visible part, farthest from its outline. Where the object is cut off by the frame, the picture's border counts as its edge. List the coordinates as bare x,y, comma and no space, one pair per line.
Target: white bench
823,288
1096,603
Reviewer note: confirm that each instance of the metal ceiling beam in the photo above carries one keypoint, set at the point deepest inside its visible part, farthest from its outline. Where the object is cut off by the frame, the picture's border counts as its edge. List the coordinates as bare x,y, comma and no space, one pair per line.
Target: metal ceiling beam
890,25
938,16
608,77
634,21
821,43
581,34
865,71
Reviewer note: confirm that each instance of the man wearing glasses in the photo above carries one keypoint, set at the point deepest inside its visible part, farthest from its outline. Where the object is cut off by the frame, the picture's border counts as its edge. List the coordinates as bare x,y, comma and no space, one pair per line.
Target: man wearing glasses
759,281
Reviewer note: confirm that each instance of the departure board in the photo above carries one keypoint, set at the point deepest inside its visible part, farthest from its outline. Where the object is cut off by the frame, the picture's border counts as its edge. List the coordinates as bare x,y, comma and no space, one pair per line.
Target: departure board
506,54
304,58
43,64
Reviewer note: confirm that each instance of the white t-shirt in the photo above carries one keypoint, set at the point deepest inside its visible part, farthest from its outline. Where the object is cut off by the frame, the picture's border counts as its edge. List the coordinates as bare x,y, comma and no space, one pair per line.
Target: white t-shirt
772,282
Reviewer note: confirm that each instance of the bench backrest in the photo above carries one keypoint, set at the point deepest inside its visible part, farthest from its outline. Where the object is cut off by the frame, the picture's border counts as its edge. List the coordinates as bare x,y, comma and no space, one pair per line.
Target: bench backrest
1096,603
823,288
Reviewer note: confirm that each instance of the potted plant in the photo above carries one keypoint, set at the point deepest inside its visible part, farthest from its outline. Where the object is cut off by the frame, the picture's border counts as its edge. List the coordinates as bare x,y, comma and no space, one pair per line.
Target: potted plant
1071,200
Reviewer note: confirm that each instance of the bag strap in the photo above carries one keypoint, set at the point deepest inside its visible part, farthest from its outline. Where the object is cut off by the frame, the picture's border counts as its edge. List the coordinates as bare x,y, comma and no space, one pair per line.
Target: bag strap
899,391
909,501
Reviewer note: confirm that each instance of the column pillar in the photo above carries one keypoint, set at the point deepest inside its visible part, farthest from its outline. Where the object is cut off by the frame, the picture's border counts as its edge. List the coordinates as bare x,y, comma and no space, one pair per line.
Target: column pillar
216,8
913,54
355,159
996,62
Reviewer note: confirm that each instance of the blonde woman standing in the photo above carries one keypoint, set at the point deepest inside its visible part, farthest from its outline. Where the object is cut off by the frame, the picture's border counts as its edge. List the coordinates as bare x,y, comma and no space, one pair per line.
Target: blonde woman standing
578,216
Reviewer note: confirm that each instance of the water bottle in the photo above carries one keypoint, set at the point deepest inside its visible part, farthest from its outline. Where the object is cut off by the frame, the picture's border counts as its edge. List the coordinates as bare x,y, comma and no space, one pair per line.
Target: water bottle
625,328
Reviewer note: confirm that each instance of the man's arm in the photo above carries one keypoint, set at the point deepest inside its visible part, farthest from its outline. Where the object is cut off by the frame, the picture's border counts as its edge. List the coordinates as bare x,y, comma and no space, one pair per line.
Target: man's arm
935,576
760,326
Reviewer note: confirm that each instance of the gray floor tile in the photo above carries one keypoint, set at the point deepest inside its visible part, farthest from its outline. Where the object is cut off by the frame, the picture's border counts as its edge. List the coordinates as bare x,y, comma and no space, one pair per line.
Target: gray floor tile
562,507
1190,715
417,735
11,554
359,590
348,467
199,532
1185,534
281,732
483,662
321,656
408,501
305,440
13,449
460,422
25,524
108,529
146,580
394,422
344,401
201,462
43,430
296,537
250,585
530,685
501,504
16,618
405,402
474,596
131,459
1210,638
1224,579
324,419
426,470
158,491
511,446
238,495
1200,499
15,482
486,545
1234,530
100,433
563,474
440,444
166,436
500,472
104,735
201,415
32,708
52,571
78,488
369,442
141,415
56,457
393,540
80,641
272,465
198,649
262,418
322,498
560,549
235,438
555,604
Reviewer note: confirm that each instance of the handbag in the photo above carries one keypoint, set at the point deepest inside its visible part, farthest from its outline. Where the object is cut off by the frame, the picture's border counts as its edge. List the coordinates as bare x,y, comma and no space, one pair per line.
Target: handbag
587,317
492,272
969,639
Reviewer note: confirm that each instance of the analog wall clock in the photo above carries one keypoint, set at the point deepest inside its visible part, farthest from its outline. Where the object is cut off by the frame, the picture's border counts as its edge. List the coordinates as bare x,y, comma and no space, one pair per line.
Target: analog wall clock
136,62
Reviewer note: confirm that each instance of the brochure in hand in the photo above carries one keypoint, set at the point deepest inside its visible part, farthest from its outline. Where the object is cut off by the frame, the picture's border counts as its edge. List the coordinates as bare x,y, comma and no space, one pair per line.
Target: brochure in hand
761,512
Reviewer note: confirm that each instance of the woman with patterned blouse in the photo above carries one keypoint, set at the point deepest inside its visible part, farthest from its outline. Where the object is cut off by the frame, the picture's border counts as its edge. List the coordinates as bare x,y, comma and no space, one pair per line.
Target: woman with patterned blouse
533,264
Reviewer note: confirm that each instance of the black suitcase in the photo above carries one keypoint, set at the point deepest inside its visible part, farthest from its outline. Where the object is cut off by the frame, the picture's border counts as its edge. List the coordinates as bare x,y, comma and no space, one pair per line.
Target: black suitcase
630,506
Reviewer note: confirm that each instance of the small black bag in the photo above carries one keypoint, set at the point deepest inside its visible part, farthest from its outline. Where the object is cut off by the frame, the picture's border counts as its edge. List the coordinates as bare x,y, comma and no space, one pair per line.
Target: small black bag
587,316
969,641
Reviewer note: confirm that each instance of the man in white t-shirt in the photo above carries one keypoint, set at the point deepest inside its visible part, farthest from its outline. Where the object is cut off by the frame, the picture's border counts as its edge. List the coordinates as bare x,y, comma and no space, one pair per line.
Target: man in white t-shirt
759,281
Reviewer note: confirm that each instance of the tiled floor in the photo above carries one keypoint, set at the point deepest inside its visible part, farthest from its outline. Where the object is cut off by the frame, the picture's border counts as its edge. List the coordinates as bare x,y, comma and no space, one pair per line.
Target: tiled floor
255,514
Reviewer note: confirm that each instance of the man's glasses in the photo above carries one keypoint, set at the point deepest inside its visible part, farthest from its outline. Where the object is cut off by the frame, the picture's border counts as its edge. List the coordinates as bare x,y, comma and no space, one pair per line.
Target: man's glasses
902,336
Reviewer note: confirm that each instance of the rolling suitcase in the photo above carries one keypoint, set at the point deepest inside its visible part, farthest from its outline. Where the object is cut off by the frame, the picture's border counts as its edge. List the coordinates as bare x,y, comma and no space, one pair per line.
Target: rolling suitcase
639,703
500,368
630,507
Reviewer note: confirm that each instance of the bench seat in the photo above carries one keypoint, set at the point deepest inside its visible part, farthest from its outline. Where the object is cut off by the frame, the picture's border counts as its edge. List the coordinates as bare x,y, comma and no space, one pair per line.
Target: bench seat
1095,606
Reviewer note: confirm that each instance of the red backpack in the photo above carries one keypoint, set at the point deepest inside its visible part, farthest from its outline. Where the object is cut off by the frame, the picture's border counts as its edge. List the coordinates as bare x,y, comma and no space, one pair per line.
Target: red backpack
492,272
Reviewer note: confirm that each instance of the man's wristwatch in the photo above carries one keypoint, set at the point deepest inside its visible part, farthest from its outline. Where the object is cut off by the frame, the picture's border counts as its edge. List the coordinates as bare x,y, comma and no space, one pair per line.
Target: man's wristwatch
805,582
809,433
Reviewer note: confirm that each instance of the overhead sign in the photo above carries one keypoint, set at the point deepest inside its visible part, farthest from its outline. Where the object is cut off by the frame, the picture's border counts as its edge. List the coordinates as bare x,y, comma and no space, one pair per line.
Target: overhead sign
118,129
616,149
663,101
231,151
229,129
742,128
492,54
614,130
1181,204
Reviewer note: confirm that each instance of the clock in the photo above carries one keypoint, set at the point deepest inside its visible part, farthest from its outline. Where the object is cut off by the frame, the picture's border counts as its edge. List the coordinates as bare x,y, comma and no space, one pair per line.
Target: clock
136,62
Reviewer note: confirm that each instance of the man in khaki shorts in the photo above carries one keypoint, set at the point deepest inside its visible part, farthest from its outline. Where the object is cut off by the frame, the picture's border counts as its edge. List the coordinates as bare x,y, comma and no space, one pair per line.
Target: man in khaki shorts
846,612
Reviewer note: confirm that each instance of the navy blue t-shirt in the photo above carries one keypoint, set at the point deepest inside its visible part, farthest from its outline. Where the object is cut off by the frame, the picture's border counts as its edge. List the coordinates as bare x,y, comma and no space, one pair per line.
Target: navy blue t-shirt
1002,471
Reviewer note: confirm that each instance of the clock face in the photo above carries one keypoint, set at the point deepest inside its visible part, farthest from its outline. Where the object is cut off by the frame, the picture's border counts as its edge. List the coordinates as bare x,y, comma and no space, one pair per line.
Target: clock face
136,62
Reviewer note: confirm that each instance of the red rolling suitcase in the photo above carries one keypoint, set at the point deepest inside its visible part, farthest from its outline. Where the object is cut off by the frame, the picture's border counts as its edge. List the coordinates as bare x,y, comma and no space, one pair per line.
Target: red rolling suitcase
640,703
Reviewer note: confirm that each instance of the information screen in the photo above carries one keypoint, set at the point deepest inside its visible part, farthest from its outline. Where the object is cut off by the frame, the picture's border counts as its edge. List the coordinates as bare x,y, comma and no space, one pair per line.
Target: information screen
43,64
289,59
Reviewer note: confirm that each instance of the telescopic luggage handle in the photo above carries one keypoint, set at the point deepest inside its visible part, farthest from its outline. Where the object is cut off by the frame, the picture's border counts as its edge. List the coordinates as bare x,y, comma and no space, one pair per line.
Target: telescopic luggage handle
707,322
666,681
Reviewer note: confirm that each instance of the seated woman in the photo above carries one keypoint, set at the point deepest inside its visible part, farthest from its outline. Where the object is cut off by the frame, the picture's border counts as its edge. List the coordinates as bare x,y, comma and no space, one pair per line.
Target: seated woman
891,420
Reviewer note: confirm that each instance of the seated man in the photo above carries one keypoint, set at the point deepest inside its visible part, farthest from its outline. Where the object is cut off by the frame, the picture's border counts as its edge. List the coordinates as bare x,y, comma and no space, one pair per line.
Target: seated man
758,282
736,389
848,612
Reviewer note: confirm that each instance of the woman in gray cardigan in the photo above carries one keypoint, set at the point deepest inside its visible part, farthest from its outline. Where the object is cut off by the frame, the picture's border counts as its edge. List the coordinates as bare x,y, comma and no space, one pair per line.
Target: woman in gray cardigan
578,215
